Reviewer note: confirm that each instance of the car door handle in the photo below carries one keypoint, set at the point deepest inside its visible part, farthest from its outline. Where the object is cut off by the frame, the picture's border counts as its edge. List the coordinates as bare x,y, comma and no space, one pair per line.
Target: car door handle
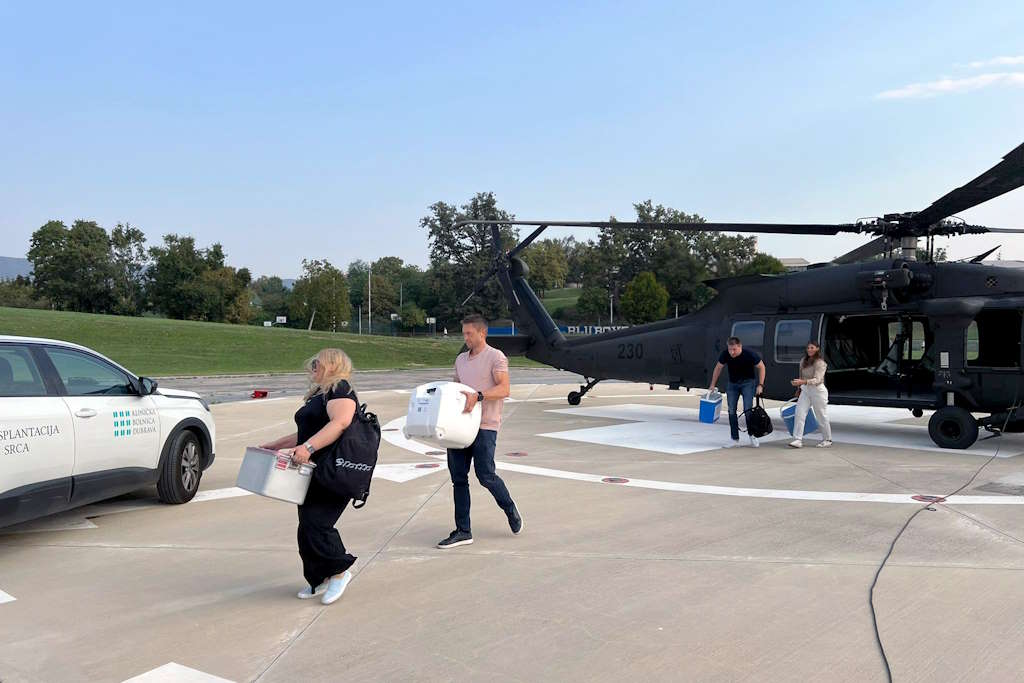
86,412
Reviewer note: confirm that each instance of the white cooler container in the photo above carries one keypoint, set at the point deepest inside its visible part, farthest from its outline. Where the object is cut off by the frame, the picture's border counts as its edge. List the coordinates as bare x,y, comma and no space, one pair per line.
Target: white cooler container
273,475
436,415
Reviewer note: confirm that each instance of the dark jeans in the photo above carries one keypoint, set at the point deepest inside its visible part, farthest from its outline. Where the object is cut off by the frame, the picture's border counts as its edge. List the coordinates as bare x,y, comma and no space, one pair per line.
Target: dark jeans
733,391
481,453
320,547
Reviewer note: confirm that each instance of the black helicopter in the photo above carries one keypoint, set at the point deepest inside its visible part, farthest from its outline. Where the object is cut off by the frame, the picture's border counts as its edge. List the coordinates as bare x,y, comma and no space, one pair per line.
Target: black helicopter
896,331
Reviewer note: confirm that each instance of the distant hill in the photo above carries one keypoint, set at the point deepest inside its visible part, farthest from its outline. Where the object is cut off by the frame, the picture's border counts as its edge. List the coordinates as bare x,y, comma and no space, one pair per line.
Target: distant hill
11,267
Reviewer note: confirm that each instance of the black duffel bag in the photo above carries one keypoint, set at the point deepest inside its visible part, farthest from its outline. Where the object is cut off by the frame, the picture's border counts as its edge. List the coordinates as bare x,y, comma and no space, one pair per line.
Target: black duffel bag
346,467
759,422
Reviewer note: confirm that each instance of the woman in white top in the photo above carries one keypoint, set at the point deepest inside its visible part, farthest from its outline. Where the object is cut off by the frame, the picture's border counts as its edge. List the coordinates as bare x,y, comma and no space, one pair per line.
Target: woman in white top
810,386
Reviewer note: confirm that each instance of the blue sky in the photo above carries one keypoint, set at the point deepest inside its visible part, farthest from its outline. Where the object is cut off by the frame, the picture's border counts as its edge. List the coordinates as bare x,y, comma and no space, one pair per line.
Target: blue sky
291,131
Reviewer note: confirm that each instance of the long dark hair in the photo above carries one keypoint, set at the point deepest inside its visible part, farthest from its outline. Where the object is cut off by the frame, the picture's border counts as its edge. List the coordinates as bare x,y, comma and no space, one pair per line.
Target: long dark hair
811,360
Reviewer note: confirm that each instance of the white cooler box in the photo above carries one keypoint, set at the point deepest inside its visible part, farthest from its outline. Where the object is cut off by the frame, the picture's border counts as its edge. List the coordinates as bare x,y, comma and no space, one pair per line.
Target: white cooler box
273,475
436,415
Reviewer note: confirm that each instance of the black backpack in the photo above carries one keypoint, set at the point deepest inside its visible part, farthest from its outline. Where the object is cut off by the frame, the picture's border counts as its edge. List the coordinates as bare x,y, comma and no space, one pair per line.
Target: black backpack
759,422
346,467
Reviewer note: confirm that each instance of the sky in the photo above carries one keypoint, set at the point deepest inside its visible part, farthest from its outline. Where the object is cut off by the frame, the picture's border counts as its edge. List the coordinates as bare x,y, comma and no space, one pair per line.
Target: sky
287,131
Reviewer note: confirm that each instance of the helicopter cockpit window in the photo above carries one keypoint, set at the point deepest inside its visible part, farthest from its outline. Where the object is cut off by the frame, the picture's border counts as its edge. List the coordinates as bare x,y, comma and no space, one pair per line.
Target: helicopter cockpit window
791,337
993,339
751,335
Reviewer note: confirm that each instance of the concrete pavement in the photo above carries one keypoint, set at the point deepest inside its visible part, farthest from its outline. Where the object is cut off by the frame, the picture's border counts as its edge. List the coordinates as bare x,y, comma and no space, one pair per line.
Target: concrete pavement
608,581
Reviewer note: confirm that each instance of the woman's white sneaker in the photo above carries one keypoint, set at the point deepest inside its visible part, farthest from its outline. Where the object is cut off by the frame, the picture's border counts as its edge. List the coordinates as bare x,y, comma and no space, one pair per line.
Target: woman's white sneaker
796,443
754,443
307,592
825,444
335,587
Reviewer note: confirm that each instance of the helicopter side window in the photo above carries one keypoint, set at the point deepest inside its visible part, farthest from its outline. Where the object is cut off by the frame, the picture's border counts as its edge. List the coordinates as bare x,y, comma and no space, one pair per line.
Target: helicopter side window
751,335
791,337
993,340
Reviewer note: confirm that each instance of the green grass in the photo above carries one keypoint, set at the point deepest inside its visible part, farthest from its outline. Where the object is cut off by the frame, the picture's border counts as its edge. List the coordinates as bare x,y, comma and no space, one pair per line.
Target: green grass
158,347
559,298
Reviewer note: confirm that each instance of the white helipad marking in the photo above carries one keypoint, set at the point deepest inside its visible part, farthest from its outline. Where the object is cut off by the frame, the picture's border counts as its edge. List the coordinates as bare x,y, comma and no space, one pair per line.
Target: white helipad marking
176,673
404,472
219,494
63,522
6,597
676,430
396,438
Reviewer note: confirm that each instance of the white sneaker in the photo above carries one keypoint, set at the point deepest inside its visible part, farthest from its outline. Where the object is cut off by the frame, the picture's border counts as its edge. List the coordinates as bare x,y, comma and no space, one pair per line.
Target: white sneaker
754,443
732,443
335,587
796,443
307,592
825,444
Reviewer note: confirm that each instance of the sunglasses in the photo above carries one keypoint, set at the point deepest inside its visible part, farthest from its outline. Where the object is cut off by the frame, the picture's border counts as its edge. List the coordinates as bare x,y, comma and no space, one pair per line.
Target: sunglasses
315,365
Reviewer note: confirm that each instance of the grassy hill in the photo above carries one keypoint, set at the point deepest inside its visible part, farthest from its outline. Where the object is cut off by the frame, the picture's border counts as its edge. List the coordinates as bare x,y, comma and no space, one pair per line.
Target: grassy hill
558,298
156,347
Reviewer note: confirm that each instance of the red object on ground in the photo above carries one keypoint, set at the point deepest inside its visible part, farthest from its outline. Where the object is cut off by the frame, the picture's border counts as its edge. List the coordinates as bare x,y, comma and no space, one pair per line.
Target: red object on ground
259,393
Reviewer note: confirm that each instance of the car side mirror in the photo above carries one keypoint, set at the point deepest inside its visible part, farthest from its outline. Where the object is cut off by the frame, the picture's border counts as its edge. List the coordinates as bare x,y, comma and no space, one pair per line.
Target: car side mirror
147,386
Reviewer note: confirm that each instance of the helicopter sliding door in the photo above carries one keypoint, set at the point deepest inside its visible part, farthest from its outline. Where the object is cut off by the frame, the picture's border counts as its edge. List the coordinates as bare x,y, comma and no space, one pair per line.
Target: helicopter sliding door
879,359
992,345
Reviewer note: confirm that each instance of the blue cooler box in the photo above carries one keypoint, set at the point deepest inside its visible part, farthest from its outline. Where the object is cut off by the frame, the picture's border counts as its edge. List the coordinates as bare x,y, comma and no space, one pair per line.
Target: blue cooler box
788,413
710,407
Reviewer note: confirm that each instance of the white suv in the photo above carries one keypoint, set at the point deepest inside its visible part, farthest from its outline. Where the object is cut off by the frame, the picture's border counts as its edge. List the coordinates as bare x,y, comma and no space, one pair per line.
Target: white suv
75,428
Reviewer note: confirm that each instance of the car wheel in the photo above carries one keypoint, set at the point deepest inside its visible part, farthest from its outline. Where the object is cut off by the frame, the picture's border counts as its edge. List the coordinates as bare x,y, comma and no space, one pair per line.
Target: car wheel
953,427
182,470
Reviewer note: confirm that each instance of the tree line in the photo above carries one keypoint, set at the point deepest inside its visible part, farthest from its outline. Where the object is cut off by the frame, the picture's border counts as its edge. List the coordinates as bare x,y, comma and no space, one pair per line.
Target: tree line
644,274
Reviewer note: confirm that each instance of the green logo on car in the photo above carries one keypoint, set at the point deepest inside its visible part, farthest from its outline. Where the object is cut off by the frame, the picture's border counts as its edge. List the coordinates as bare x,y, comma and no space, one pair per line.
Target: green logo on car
122,423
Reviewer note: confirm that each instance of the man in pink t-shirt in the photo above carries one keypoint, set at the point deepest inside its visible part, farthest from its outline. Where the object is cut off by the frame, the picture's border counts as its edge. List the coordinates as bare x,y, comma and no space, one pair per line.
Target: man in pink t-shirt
485,369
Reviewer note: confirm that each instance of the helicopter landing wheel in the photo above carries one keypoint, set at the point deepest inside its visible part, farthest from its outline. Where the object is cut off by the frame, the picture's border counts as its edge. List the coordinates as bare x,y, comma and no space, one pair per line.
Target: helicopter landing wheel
574,398
953,427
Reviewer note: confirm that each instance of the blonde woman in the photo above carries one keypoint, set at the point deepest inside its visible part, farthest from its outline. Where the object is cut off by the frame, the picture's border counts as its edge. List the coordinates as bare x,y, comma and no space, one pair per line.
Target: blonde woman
813,394
327,411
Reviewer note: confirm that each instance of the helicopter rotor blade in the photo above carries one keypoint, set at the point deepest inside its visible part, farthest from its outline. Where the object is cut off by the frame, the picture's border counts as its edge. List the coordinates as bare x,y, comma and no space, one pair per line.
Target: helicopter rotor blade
526,242
879,245
481,283
1005,176
776,228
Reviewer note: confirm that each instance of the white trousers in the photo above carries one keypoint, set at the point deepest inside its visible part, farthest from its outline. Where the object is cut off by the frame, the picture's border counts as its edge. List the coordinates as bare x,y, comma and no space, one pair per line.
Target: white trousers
812,396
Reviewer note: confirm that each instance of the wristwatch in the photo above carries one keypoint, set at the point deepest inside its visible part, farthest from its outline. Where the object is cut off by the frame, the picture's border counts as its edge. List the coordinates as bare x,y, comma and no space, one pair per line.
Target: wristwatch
309,447
480,396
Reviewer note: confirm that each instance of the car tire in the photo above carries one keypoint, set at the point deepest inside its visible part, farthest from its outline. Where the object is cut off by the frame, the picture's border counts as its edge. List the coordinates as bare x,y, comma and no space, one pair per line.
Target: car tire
953,427
182,469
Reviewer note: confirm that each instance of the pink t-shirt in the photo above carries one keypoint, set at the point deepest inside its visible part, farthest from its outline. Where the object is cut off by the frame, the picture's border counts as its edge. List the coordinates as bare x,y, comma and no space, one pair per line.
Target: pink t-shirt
480,372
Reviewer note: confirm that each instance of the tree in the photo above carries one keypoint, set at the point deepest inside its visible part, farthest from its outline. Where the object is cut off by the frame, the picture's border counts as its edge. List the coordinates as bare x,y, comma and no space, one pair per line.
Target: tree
461,255
195,284
593,303
547,263
412,316
50,271
320,295
762,264
173,279
270,295
89,267
357,273
128,265
644,300
19,293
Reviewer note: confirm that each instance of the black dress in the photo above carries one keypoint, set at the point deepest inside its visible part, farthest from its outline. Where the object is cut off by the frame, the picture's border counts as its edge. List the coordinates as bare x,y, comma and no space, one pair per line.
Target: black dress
320,547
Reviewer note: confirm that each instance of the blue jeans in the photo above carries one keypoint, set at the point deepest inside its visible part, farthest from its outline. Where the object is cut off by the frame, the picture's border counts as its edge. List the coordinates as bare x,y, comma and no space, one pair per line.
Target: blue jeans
481,453
733,391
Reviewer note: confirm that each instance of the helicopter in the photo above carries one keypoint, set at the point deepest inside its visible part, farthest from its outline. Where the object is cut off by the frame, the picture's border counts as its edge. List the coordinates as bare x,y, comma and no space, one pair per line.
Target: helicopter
897,332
